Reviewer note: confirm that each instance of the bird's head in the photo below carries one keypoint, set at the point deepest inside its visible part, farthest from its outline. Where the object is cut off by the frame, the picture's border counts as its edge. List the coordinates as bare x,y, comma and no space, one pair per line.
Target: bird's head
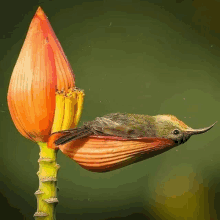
169,127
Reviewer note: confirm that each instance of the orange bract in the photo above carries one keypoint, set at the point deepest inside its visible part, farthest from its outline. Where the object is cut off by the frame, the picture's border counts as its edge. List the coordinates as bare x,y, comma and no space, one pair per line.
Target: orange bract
41,69
106,153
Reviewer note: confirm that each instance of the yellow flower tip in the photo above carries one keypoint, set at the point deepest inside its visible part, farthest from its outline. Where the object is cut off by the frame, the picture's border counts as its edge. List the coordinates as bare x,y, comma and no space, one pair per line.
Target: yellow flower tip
80,99
41,69
68,109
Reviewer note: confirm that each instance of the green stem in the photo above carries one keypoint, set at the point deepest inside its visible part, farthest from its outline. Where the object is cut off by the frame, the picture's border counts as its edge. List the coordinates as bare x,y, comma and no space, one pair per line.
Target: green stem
47,191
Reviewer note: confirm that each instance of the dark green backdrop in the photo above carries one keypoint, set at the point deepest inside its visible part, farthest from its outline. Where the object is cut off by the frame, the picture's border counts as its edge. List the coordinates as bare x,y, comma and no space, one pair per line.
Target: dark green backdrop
146,57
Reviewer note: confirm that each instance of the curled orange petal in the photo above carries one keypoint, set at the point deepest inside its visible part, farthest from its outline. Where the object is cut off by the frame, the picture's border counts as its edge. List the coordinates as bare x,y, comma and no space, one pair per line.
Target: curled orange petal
106,153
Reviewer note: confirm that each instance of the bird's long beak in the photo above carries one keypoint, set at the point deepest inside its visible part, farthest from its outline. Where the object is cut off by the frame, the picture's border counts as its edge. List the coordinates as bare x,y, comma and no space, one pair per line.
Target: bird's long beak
200,130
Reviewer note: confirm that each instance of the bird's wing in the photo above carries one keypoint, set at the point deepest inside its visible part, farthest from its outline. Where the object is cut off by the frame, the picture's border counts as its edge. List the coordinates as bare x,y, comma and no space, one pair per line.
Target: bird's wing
121,125
63,137
101,126
127,126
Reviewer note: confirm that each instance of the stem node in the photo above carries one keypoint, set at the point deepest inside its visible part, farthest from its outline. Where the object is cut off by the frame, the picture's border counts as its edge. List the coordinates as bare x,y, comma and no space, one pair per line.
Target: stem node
40,214
51,200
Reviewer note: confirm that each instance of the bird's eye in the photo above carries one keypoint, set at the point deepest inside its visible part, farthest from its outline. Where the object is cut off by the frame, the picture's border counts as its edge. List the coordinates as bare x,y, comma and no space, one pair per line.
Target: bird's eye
176,131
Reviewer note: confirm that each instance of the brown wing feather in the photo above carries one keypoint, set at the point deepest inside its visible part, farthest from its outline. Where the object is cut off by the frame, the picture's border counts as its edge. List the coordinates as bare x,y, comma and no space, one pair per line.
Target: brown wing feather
74,134
123,125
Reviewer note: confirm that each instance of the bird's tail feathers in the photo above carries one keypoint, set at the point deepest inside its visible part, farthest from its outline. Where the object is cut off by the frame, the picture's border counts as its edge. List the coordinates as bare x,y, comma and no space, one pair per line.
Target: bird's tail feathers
74,134
63,137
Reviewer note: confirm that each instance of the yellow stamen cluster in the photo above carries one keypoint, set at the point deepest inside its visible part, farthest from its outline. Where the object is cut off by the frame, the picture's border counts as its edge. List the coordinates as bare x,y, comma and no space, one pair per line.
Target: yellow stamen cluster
68,109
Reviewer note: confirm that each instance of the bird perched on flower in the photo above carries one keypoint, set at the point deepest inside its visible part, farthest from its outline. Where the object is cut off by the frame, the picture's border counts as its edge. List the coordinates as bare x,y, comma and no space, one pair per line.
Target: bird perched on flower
119,139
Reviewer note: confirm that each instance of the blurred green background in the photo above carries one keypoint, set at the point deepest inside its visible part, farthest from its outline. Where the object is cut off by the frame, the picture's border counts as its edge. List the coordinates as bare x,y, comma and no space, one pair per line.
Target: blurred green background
135,56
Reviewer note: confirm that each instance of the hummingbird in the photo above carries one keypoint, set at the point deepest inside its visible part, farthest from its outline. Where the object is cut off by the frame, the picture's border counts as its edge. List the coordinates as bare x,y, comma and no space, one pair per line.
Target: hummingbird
120,139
